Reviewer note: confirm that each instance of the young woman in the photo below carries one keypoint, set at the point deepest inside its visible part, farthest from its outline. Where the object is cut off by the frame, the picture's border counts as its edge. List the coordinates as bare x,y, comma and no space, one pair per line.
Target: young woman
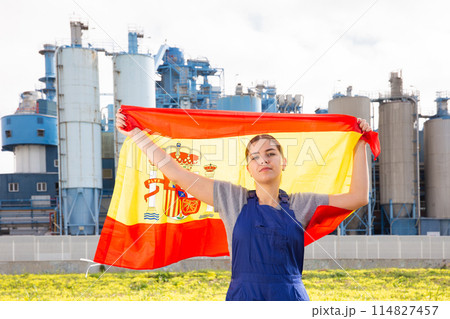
265,226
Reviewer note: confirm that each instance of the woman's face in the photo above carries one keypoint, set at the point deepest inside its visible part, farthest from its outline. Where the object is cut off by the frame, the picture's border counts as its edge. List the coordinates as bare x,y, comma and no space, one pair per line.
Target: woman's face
265,162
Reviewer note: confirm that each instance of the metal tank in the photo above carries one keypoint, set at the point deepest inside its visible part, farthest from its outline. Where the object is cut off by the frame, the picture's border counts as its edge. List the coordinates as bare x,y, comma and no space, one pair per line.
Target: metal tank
79,127
239,103
247,102
134,84
357,106
437,159
398,159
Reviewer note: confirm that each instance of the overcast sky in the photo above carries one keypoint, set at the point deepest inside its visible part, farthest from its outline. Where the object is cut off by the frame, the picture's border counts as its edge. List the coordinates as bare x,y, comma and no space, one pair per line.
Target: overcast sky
313,48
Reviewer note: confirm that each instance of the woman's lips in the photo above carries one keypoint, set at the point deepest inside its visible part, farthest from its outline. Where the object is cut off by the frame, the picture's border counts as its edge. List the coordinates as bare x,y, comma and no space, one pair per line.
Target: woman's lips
264,169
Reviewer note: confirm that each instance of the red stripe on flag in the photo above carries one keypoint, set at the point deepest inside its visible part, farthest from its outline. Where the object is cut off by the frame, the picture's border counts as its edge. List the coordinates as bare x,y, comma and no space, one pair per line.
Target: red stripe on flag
204,124
123,246
324,221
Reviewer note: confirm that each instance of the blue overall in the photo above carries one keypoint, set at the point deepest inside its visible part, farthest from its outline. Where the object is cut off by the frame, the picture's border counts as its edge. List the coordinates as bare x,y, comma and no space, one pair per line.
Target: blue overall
267,251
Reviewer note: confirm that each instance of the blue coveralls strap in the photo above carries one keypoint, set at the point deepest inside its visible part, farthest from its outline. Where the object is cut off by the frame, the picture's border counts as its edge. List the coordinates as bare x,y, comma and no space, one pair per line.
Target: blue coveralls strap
267,253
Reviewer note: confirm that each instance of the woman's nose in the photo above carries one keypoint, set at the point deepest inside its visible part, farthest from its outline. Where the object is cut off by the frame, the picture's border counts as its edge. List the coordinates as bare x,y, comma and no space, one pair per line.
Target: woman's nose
264,160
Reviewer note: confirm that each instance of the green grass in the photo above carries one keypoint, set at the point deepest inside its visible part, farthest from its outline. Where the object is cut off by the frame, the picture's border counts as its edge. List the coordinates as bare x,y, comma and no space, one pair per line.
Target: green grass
369,284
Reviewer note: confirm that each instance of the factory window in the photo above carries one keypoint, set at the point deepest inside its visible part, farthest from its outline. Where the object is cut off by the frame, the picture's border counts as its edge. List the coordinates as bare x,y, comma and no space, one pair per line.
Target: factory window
107,173
41,187
8,133
40,132
55,163
13,187
40,120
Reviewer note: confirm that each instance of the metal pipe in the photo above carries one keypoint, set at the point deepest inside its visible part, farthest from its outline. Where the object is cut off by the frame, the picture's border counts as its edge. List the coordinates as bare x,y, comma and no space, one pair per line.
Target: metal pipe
417,164
391,216
58,50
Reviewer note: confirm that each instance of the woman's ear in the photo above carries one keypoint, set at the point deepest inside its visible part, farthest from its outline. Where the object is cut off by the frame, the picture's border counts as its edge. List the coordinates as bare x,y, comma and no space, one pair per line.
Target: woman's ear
284,163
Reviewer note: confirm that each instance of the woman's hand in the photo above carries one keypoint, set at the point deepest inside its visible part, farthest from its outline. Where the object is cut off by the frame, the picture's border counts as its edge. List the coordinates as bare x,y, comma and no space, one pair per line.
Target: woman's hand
121,120
363,125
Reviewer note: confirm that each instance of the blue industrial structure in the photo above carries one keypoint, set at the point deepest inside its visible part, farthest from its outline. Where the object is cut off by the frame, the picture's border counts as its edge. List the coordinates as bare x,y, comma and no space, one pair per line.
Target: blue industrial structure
245,103
262,98
442,106
181,84
27,128
289,104
133,41
50,75
28,197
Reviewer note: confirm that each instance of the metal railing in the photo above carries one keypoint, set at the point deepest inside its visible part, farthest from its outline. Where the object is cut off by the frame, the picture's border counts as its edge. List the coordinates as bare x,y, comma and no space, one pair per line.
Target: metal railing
29,216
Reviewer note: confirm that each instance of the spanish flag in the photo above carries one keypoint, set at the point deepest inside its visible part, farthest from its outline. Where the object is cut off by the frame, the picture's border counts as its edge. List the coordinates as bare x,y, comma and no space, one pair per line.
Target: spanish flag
152,223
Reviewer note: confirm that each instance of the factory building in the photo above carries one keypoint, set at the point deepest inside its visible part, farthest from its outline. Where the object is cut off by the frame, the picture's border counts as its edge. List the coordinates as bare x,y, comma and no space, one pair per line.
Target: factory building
28,197
66,148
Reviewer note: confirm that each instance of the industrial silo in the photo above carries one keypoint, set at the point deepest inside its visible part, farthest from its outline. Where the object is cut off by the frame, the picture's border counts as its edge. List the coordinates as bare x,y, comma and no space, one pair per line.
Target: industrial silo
245,102
239,103
399,157
79,128
134,82
437,159
357,106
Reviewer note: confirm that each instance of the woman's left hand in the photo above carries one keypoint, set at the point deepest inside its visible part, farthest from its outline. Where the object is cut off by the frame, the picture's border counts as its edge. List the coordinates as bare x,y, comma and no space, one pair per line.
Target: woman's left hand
364,126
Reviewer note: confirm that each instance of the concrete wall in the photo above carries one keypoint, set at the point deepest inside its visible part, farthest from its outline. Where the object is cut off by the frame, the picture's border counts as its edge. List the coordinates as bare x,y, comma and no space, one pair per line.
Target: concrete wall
61,254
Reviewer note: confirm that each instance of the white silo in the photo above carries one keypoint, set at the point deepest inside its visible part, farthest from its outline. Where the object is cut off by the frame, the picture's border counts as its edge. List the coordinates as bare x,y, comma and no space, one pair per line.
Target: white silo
398,160
134,83
357,106
437,159
79,128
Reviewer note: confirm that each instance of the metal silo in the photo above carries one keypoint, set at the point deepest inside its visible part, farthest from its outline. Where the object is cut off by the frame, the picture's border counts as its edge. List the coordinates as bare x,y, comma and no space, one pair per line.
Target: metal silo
79,130
358,106
437,159
134,83
239,103
244,102
398,116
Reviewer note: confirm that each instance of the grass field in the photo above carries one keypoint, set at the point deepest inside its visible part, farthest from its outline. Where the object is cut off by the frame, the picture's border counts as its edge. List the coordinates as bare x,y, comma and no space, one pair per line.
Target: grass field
370,284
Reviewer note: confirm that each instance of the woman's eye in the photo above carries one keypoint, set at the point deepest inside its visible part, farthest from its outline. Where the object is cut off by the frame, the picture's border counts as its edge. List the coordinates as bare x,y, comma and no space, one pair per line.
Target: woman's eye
271,154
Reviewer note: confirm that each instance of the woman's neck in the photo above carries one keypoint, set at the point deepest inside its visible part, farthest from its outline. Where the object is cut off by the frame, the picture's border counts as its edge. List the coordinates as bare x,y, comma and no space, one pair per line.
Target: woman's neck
268,194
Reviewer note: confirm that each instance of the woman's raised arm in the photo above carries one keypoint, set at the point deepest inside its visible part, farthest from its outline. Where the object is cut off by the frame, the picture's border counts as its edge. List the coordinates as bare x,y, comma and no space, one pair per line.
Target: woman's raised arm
358,194
198,186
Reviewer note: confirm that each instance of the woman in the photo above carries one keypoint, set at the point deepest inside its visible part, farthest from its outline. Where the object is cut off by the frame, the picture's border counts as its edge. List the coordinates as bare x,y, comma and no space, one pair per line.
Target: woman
265,226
